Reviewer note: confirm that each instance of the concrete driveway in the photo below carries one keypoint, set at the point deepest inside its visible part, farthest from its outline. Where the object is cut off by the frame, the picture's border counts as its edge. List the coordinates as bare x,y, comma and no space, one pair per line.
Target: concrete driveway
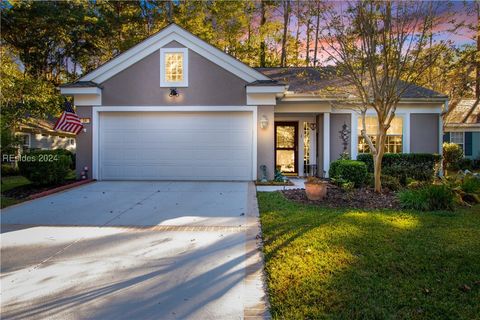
134,250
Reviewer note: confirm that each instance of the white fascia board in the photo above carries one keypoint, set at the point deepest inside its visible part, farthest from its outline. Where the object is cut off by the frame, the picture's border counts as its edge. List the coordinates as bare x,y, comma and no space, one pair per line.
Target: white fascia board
87,100
169,34
462,127
173,108
266,89
261,99
69,91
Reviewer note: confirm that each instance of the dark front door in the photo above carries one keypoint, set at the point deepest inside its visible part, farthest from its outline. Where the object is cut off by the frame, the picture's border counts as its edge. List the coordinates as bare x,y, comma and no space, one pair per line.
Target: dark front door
286,147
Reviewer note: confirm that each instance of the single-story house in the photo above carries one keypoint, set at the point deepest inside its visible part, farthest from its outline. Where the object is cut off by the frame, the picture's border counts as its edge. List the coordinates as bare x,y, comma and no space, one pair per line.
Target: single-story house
174,107
39,134
462,126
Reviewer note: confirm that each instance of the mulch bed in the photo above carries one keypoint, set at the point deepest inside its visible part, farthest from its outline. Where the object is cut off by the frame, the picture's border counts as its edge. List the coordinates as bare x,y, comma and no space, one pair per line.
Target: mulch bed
27,191
362,198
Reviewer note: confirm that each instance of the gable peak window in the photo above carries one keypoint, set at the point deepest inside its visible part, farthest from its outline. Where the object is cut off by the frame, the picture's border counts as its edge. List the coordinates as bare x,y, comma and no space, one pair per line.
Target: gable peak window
173,67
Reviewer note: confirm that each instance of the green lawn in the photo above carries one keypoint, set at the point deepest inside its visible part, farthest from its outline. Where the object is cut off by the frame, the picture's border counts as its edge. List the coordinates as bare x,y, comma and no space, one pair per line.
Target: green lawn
353,264
9,183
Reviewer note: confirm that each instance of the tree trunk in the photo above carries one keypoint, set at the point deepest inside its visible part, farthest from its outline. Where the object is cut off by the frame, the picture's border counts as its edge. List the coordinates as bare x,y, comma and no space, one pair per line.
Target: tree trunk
286,18
263,21
377,171
377,158
477,78
317,29
307,56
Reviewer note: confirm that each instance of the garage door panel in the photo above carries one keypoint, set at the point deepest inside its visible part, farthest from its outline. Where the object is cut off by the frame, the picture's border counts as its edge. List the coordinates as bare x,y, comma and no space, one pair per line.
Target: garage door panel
176,146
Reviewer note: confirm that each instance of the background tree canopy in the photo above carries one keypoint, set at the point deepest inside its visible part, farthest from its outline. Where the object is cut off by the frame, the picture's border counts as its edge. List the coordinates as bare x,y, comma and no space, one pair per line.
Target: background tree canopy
47,43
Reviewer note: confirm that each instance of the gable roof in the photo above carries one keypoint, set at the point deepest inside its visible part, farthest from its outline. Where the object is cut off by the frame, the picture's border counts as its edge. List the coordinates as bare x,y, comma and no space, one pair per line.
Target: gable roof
46,125
465,113
168,34
323,81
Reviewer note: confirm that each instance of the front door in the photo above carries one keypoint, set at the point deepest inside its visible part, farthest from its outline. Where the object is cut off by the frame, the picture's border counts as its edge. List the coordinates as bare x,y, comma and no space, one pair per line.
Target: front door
286,147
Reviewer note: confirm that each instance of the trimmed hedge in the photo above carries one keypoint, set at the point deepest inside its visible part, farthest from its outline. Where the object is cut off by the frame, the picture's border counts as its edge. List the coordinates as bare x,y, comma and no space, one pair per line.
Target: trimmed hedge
45,167
350,170
404,166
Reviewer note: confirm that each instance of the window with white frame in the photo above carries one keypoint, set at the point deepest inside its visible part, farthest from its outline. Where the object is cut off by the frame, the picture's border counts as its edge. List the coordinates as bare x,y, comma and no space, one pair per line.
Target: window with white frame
24,139
394,141
174,67
458,138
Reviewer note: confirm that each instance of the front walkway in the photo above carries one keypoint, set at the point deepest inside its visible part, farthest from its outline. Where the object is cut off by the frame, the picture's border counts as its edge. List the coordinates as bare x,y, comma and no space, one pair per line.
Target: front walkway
299,183
134,250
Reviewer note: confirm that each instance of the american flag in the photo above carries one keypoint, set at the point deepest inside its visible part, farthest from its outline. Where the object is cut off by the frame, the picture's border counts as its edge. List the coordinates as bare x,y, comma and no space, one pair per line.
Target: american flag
69,121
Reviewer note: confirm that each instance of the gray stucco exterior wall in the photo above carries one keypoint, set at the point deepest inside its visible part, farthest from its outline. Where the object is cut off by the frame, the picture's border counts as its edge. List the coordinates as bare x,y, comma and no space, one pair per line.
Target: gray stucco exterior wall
337,120
208,84
265,142
424,133
84,142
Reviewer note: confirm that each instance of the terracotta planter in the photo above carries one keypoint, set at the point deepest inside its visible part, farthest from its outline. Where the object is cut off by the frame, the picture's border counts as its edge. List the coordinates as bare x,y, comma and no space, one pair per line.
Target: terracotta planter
316,190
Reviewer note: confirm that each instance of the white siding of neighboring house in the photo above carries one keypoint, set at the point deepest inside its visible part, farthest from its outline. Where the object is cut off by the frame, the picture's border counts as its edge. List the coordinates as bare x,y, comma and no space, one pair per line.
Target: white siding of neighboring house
46,142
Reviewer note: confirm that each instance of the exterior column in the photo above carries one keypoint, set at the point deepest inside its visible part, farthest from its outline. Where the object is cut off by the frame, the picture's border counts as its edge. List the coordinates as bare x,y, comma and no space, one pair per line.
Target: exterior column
354,136
406,133
326,143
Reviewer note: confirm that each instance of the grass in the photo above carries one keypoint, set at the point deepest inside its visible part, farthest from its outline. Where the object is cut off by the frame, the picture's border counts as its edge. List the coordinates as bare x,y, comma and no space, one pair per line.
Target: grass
353,264
12,182
9,183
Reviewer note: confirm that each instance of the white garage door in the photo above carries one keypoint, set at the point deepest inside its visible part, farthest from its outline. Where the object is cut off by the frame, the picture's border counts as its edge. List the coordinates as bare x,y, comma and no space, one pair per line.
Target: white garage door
175,146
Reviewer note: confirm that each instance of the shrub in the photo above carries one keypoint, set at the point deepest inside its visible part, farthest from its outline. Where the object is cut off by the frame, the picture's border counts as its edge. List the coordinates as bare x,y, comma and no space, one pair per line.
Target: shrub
465,164
388,182
350,170
9,170
452,156
428,198
476,164
470,184
404,166
45,167
66,153
415,184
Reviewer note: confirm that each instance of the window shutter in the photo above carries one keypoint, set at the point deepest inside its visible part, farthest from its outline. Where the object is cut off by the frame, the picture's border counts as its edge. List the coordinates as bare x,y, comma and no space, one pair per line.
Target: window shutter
446,137
468,143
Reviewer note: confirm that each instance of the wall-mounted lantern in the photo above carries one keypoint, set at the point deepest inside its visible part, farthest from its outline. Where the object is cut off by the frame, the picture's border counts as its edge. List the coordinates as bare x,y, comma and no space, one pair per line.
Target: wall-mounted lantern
173,92
264,122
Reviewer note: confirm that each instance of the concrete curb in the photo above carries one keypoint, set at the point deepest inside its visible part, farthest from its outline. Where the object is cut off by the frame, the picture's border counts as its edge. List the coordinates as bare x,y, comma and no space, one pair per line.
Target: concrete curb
58,189
256,304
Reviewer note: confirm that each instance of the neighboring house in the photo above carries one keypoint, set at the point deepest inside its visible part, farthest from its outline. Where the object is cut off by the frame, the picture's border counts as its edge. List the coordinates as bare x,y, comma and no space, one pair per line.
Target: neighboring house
174,107
462,126
39,134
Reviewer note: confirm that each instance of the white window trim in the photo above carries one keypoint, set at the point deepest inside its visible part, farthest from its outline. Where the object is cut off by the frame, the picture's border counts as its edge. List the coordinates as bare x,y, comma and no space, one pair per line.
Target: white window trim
463,138
405,131
29,144
179,84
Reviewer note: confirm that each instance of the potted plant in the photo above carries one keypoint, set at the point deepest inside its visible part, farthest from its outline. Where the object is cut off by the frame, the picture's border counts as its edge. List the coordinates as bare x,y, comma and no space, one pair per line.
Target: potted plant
315,188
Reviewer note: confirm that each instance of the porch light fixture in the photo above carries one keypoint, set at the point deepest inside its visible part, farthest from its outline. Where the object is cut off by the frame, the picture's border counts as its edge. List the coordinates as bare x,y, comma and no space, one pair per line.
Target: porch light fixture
173,92
264,122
